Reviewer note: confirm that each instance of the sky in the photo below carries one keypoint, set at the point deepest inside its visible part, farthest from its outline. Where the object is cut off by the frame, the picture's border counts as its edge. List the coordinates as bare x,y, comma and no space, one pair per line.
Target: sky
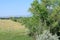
13,8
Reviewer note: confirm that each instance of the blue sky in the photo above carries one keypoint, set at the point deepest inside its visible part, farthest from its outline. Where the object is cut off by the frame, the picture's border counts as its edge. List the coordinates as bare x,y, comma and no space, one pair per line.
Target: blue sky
14,8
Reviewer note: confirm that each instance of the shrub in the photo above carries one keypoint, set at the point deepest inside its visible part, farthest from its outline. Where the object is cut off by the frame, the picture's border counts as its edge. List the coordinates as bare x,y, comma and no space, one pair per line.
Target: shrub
47,36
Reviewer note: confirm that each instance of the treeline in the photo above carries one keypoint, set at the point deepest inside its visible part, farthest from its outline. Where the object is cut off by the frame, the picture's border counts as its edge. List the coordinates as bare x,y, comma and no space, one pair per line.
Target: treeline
9,17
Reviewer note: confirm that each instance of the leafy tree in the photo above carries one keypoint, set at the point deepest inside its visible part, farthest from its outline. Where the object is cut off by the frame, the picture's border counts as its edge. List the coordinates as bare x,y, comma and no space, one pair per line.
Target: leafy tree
47,12
46,16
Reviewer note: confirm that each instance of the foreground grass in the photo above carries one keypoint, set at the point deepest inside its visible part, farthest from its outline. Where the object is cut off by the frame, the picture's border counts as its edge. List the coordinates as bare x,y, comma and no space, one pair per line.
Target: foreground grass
13,36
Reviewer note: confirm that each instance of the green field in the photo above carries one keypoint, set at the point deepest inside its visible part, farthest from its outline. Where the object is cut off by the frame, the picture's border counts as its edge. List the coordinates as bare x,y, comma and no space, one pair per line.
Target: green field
10,30
13,36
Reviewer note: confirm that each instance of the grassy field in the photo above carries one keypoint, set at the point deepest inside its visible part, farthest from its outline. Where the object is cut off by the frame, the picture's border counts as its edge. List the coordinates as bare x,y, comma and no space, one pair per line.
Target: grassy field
13,36
10,30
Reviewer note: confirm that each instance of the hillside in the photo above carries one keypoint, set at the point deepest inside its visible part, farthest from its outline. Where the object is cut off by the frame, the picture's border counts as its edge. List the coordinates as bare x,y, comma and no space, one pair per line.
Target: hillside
10,30
9,25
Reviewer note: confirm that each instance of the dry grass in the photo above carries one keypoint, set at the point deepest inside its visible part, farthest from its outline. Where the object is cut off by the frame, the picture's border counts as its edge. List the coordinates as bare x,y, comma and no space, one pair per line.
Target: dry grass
9,25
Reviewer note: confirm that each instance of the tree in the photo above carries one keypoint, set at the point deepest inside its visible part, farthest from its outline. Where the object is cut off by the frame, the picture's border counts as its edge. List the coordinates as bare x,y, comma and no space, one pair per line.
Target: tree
47,12
46,16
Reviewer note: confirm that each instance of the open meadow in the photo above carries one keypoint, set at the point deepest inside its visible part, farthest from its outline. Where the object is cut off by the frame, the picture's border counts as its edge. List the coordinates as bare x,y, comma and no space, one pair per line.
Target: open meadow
10,30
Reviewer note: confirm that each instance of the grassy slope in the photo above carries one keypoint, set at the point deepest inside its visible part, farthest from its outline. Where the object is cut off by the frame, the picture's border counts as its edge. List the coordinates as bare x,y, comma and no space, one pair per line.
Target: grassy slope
10,30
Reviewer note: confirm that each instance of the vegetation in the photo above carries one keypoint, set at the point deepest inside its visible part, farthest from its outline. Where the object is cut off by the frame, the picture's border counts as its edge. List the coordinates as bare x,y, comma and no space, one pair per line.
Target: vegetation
47,36
46,16
10,30
13,36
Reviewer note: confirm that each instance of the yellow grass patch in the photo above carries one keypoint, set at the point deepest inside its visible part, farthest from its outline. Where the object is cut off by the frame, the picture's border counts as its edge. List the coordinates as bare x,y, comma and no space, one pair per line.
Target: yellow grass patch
10,25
